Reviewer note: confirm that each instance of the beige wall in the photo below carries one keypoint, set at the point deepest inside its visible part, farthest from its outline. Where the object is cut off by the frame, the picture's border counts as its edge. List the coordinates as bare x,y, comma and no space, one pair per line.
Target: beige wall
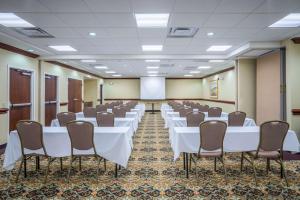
268,87
226,90
183,88
246,86
293,83
9,59
121,88
92,90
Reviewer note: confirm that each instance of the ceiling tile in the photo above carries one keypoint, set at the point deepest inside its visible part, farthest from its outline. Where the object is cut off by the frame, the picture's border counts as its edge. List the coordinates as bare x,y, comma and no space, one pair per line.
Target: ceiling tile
177,41
122,32
152,6
152,32
65,5
224,20
196,5
62,32
22,6
78,19
188,19
260,20
42,19
109,6
238,6
115,20
286,6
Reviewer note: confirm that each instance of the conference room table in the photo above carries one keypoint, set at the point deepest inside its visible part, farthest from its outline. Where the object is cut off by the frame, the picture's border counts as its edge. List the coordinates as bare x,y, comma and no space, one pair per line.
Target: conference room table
133,115
237,139
118,122
112,143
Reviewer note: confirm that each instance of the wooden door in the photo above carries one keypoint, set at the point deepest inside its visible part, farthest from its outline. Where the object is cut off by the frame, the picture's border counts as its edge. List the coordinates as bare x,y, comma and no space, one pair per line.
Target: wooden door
19,96
74,95
50,98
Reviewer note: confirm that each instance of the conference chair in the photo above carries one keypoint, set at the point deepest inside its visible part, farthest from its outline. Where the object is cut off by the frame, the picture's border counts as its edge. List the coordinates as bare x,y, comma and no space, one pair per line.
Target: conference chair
194,119
212,135
270,147
65,117
81,135
203,108
32,144
184,111
105,119
214,112
236,118
119,112
101,108
89,112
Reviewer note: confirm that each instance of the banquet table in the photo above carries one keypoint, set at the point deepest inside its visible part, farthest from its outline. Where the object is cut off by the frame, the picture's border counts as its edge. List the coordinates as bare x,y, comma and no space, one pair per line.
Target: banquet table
119,122
237,139
170,115
112,143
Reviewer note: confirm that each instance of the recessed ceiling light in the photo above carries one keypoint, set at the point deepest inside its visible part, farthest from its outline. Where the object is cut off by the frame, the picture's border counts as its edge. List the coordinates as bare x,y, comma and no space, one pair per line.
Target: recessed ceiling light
219,48
204,67
152,72
152,60
62,48
188,75
210,34
152,20
152,67
100,67
12,20
92,34
30,50
110,72
88,61
291,20
152,47
194,72
216,61
117,75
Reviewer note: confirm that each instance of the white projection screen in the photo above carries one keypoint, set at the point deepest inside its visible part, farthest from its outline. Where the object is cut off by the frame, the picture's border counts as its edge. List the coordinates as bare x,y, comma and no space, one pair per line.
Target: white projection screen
152,88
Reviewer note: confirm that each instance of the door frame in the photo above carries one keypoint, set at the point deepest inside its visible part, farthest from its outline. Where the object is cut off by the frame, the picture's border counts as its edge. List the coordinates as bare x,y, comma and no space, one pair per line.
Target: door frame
32,90
44,94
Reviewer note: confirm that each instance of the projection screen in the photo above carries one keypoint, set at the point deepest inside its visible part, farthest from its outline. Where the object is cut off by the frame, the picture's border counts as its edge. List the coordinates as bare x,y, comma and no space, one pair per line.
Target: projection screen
152,88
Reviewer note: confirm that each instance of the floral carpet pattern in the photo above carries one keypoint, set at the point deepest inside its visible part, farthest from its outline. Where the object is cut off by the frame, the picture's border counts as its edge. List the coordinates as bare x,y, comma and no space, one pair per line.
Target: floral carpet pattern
152,174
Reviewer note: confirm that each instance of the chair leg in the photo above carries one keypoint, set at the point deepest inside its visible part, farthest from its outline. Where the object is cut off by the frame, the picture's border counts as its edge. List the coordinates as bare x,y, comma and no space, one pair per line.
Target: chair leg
48,169
242,161
268,165
98,166
25,167
225,171
19,171
254,170
37,163
215,164
61,163
284,172
184,161
104,164
70,167
80,163
190,165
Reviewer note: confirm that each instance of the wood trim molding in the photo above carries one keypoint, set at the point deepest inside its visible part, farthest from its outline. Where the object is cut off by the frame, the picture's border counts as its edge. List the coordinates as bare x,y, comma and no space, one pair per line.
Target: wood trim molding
118,99
219,101
3,110
63,103
17,50
219,72
296,111
296,40
73,68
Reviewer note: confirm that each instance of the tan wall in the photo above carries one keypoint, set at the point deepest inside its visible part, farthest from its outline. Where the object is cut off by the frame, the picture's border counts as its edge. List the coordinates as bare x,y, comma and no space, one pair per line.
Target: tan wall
121,88
226,90
293,83
246,86
92,90
8,59
183,88
268,87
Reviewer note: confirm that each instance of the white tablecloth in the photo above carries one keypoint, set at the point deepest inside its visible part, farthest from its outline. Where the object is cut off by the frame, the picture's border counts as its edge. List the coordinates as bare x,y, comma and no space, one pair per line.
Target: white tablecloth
237,139
112,143
119,122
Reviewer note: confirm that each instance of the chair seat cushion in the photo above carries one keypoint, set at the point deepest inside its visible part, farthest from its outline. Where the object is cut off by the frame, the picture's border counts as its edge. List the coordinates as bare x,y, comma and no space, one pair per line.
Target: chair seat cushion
211,154
266,154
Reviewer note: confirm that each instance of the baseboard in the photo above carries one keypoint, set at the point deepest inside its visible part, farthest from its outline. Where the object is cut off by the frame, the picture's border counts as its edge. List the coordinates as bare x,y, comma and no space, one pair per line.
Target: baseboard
153,110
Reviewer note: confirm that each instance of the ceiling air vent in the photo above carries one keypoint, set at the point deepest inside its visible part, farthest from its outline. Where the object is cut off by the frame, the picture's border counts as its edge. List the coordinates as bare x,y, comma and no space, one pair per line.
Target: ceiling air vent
166,65
34,32
182,32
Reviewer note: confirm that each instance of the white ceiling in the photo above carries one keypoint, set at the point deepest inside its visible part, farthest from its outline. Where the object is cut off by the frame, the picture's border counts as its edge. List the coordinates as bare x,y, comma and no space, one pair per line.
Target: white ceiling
234,22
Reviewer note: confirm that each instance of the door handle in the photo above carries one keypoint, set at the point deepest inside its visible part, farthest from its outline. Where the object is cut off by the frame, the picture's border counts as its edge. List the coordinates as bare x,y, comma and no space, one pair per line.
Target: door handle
20,105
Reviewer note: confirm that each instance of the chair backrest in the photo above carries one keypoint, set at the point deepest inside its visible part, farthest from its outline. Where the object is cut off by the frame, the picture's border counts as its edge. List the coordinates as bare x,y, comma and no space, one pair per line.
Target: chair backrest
119,112
194,119
212,135
184,111
65,117
236,118
81,135
272,135
89,112
101,108
31,135
203,108
214,112
105,119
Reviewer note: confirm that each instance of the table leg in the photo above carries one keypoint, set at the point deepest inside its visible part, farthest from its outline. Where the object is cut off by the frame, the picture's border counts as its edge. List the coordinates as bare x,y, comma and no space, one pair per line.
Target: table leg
116,171
187,165
25,167
183,161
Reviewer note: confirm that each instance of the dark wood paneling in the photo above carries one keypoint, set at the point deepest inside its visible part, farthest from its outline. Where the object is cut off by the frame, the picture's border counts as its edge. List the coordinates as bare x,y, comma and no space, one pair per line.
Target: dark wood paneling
296,111
3,110
50,98
17,50
73,68
75,95
296,40
19,93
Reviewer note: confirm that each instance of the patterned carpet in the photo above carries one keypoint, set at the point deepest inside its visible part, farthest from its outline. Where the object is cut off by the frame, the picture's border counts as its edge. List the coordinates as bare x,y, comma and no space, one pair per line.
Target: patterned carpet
152,174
